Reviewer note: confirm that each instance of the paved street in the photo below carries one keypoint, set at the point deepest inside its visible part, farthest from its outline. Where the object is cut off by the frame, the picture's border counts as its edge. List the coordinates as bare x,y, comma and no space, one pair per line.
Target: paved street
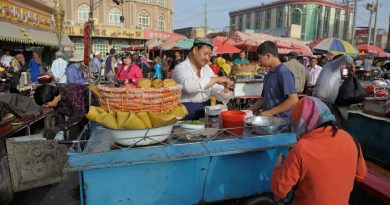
64,193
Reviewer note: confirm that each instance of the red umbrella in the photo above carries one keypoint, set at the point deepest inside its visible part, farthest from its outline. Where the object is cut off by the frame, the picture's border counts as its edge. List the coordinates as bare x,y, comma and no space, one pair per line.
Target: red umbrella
222,48
370,49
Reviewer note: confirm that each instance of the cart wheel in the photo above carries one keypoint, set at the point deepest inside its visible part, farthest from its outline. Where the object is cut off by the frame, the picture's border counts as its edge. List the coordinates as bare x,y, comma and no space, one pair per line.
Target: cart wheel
260,200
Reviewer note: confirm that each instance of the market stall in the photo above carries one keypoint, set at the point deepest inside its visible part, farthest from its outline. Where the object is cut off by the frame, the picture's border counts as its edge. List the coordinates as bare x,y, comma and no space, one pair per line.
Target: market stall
141,154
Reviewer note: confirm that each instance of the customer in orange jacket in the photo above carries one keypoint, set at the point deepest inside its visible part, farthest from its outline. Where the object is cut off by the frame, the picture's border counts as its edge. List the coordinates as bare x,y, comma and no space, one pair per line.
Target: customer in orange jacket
323,164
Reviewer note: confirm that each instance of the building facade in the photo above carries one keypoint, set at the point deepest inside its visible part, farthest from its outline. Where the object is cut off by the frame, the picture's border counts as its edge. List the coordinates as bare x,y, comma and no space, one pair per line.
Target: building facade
110,32
361,35
28,25
194,32
306,20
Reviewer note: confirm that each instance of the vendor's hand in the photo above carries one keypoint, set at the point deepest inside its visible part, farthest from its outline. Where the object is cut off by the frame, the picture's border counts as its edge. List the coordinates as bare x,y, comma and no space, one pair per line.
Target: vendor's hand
267,113
226,90
50,133
222,80
279,161
229,84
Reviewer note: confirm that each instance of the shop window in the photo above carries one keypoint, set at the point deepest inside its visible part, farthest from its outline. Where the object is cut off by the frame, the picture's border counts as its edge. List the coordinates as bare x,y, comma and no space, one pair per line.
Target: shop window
325,31
114,17
102,48
143,20
336,24
268,19
296,17
232,21
161,2
257,20
248,20
161,23
79,46
279,18
83,14
240,23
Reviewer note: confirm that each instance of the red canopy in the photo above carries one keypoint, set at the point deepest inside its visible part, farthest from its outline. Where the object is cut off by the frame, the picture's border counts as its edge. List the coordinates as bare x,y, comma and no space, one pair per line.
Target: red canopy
315,42
370,49
224,47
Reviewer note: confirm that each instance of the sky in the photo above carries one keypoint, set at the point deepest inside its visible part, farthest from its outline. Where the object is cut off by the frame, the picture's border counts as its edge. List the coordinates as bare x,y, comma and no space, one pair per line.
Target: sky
191,12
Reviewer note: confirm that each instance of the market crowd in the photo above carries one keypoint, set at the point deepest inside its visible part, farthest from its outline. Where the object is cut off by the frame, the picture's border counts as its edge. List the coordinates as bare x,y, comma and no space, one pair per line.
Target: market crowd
319,169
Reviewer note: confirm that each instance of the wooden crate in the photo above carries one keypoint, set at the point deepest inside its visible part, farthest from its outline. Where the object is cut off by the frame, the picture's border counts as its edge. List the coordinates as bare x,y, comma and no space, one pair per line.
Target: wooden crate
35,163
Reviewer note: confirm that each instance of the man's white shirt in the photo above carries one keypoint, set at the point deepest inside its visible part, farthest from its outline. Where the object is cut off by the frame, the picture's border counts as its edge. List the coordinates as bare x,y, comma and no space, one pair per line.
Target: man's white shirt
194,86
58,69
312,75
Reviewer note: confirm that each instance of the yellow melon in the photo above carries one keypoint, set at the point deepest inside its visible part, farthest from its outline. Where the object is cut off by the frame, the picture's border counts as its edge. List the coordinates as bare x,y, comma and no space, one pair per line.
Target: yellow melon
169,83
145,119
144,83
100,117
133,122
101,110
160,120
179,112
121,118
109,121
92,113
157,83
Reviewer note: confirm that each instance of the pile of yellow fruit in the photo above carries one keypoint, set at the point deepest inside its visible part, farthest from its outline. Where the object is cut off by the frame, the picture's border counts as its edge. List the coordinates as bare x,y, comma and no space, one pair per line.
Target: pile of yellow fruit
135,120
157,83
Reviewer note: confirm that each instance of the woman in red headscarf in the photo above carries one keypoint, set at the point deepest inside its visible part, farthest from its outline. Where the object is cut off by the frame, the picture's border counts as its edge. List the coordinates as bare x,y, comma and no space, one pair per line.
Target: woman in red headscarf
323,164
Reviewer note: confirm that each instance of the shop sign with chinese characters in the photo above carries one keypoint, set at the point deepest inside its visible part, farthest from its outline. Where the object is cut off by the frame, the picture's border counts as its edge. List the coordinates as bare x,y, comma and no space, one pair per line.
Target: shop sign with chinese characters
14,13
107,32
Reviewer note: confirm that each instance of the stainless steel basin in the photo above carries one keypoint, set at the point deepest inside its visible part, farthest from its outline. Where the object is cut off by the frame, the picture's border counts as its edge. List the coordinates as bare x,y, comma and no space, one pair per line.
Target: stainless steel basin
263,125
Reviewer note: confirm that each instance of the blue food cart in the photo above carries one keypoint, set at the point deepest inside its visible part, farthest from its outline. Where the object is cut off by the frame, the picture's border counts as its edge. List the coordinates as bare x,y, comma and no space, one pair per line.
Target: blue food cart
176,171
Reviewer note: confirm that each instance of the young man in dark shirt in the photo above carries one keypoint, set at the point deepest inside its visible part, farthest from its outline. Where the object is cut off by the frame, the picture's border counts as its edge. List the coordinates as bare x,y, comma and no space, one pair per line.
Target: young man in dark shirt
279,93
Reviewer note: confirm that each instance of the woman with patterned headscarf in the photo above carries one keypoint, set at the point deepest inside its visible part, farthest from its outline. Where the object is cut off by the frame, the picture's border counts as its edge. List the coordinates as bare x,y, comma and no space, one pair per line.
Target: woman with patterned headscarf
322,166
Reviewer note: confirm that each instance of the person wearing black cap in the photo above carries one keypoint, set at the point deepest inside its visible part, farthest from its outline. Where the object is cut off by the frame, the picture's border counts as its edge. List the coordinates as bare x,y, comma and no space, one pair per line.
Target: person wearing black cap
298,70
198,79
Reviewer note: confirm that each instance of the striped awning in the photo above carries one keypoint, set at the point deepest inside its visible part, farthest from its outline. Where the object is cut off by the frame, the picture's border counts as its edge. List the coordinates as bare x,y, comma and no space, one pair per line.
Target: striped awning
14,33
11,32
47,38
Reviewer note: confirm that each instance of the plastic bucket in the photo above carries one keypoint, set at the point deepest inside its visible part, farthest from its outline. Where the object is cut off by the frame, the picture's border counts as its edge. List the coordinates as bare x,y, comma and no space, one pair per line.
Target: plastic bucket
233,119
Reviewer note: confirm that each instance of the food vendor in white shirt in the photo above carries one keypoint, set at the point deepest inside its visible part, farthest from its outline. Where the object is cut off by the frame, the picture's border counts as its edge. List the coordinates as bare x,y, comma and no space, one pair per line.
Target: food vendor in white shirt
198,79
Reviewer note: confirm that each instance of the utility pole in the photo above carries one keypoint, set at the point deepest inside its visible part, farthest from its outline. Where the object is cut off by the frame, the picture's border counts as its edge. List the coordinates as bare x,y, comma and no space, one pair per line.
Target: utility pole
388,35
353,40
205,19
346,24
90,44
369,7
376,18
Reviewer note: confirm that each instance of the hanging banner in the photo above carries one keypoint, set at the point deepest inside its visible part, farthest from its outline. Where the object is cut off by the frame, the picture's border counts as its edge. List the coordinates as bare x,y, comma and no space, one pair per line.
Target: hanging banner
107,32
86,43
15,13
150,33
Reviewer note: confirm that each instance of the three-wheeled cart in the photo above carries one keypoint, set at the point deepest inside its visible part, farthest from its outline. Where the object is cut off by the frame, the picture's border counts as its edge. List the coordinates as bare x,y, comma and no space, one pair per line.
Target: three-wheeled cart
175,172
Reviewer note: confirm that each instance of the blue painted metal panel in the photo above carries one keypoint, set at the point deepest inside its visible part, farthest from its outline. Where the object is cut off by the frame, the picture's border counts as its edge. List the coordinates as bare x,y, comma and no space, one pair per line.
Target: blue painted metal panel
373,135
180,173
83,161
240,175
176,182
